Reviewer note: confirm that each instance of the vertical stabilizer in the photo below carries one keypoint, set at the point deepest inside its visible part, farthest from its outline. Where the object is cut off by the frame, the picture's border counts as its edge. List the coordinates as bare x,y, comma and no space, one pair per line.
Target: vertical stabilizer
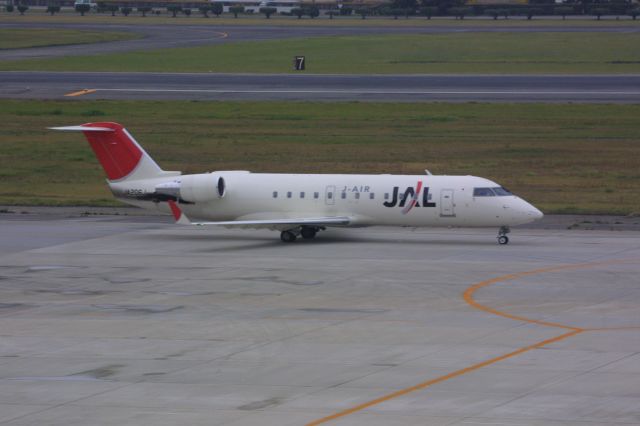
121,157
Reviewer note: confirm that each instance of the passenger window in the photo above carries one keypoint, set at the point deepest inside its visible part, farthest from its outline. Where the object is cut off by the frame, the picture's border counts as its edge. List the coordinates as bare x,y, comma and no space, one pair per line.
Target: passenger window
302,195
483,192
386,195
357,195
275,194
289,194
344,195
316,195
372,196
329,195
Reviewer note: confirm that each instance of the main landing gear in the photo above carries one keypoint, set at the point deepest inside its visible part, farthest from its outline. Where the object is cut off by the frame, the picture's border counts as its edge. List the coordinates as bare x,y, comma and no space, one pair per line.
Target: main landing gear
502,235
287,236
306,232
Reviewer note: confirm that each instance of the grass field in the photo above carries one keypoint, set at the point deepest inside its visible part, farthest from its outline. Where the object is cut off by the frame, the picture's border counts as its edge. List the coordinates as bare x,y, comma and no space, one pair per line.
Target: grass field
554,52
563,158
16,38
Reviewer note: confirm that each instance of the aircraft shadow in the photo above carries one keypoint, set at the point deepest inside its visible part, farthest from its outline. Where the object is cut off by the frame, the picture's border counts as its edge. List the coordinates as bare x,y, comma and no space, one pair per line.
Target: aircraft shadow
252,242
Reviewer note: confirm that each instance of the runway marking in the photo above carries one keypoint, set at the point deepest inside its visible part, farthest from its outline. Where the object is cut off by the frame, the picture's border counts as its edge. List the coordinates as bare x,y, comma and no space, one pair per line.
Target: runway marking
440,379
468,297
469,293
81,92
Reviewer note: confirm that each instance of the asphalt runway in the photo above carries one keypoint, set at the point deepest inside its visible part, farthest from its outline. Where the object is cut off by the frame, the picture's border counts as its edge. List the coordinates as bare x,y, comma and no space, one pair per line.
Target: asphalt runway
317,87
165,36
298,87
132,320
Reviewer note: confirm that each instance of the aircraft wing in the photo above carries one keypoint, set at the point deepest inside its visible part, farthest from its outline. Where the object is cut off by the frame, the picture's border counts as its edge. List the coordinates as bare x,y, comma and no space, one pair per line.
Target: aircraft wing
275,224
280,224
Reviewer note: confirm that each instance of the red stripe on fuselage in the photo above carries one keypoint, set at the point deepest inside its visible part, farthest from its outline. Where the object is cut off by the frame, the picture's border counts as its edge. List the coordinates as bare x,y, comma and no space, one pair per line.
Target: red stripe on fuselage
117,153
414,200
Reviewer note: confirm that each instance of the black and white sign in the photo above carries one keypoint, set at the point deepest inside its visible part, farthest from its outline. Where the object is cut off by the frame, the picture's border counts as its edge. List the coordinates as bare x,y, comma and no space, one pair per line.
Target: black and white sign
299,63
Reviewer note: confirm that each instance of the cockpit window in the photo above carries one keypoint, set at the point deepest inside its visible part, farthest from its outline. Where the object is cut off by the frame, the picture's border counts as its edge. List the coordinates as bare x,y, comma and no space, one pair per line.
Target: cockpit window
501,192
483,192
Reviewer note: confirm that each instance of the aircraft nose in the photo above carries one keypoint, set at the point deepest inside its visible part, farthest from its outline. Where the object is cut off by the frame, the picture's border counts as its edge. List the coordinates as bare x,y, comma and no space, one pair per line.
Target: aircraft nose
537,214
525,212
532,212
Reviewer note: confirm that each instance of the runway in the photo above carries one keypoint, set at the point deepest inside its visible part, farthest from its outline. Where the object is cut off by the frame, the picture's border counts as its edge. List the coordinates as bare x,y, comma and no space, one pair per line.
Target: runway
167,36
301,86
131,320
317,87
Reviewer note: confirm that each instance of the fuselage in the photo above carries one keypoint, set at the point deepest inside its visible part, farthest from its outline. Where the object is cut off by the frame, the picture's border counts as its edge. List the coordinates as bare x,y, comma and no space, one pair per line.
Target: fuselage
396,200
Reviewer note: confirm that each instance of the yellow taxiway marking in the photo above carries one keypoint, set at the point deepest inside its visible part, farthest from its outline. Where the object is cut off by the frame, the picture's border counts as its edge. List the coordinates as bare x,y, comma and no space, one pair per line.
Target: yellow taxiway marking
469,293
440,379
81,92
468,297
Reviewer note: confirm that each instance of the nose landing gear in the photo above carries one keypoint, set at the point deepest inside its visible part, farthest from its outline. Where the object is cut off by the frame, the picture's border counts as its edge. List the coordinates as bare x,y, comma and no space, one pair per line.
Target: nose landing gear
502,235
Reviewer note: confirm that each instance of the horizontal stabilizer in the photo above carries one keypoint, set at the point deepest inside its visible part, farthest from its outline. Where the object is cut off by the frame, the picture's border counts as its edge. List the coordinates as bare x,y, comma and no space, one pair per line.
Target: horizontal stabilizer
83,129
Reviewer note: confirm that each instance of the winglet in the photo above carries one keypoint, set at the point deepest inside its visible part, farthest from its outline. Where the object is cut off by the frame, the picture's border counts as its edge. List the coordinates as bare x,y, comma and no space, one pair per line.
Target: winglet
178,215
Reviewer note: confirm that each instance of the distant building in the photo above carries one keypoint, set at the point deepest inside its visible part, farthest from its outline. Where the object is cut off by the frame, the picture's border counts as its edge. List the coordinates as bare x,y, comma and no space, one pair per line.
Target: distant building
253,6
490,2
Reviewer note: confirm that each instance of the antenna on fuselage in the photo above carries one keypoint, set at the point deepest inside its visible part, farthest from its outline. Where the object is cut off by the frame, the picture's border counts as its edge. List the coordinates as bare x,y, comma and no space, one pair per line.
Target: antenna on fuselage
427,172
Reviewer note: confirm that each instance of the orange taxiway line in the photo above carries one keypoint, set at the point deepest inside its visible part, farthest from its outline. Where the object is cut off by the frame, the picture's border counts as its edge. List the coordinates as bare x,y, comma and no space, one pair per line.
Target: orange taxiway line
468,297
469,292
81,92
440,379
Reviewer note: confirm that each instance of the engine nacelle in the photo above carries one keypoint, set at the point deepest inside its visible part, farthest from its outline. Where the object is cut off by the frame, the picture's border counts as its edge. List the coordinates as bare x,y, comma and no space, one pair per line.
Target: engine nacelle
202,188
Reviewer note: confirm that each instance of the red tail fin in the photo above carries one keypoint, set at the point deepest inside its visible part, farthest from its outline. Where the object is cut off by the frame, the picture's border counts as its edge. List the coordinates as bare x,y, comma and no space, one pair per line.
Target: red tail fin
118,152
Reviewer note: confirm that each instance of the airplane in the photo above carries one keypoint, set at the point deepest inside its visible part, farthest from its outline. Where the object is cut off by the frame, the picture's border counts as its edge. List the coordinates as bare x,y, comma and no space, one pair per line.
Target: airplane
300,204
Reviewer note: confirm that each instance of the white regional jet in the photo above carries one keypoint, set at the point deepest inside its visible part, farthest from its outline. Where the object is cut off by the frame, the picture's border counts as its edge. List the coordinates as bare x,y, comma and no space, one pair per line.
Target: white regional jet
301,204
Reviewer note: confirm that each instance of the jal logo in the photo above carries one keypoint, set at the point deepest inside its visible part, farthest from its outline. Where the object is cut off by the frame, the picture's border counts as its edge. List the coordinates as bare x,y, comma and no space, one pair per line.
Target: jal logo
410,198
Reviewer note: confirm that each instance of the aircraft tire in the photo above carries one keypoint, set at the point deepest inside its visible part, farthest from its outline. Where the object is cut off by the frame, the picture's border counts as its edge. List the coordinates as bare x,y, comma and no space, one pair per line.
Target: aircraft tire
503,239
308,233
287,236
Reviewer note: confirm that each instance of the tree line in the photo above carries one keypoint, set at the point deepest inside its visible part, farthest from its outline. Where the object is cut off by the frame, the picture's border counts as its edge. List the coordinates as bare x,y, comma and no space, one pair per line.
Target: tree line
406,8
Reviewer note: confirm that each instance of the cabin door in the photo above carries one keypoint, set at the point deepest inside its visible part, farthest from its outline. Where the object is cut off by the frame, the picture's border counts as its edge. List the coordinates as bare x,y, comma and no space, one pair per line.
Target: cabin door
330,195
446,203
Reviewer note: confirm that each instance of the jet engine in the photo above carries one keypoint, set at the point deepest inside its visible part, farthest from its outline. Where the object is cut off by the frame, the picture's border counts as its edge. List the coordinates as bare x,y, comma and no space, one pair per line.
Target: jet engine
199,188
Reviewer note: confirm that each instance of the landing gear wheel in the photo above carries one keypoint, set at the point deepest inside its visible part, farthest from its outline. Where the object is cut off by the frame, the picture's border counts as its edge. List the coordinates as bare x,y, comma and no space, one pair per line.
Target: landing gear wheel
502,235
287,236
308,233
